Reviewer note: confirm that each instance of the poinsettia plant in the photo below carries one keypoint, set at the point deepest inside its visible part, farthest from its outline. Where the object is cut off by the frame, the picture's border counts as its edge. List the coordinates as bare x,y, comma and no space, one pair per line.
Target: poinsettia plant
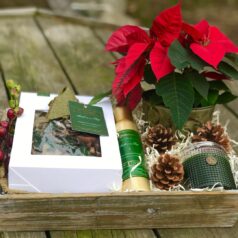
187,65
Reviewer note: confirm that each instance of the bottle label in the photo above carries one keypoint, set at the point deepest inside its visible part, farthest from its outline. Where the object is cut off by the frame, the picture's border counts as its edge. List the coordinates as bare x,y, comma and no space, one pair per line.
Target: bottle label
132,154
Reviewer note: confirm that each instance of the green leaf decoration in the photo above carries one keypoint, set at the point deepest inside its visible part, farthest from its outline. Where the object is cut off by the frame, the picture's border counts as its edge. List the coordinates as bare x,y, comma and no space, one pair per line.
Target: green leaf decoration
99,97
228,70
182,58
58,107
178,95
226,97
149,75
199,82
152,97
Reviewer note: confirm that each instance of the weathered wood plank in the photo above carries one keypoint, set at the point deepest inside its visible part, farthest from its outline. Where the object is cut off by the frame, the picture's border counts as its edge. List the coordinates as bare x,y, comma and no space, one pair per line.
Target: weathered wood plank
228,116
103,35
119,233
3,93
23,235
70,234
23,3
200,233
139,233
233,106
84,234
26,58
37,212
81,53
103,234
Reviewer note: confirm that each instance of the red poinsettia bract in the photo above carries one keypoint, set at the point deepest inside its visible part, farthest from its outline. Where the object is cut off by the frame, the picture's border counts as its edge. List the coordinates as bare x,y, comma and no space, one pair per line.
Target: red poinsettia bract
209,43
141,48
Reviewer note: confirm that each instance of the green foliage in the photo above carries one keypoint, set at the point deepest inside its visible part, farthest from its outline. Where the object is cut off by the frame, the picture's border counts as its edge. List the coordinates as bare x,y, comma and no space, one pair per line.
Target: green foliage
225,97
99,97
152,97
178,95
228,70
182,58
182,92
199,83
149,75
218,85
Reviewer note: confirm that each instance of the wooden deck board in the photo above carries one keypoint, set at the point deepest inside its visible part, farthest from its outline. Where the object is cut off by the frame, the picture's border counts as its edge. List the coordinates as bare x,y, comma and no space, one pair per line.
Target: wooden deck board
26,58
82,55
23,235
3,93
103,234
233,106
227,116
200,233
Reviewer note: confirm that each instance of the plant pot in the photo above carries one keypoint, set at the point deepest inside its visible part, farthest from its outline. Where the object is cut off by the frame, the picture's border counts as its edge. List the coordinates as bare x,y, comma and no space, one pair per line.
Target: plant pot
160,114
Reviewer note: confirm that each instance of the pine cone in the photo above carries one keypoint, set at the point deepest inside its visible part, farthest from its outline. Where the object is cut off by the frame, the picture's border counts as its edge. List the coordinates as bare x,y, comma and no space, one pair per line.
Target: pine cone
160,137
214,133
167,172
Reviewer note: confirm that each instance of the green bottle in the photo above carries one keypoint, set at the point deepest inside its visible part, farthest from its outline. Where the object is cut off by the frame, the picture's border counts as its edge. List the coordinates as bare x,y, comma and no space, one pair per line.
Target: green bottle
135,176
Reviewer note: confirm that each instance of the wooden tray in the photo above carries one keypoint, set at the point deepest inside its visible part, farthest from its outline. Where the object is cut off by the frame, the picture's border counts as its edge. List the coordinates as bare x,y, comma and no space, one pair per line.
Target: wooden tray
40,212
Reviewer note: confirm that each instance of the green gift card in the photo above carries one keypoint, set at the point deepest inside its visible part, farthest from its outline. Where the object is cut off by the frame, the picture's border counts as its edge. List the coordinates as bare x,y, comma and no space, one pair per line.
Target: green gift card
87,118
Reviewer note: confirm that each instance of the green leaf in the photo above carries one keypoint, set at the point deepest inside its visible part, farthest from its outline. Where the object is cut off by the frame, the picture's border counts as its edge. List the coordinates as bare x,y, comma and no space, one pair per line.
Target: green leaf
199,82
99,97
233,57
232,60
178,95
197,99
152,97
218,85
211,98
226,97
228,70
182,58
149,75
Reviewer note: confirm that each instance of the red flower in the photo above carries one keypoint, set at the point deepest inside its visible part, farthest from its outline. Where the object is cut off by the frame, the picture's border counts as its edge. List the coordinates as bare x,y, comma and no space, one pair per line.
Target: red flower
129,71
122,39
167,25
209,43
160,61
140,48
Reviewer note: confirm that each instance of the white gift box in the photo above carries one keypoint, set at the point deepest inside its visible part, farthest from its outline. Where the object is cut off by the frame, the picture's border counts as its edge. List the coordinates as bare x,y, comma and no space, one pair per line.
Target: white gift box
62,173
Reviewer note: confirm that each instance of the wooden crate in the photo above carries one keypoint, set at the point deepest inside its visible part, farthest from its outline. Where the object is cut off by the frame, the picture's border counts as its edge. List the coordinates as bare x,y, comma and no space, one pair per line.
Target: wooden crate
43,58
41,212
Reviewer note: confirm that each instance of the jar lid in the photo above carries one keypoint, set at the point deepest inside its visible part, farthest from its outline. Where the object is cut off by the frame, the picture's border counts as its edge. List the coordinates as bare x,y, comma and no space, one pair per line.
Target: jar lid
200,147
